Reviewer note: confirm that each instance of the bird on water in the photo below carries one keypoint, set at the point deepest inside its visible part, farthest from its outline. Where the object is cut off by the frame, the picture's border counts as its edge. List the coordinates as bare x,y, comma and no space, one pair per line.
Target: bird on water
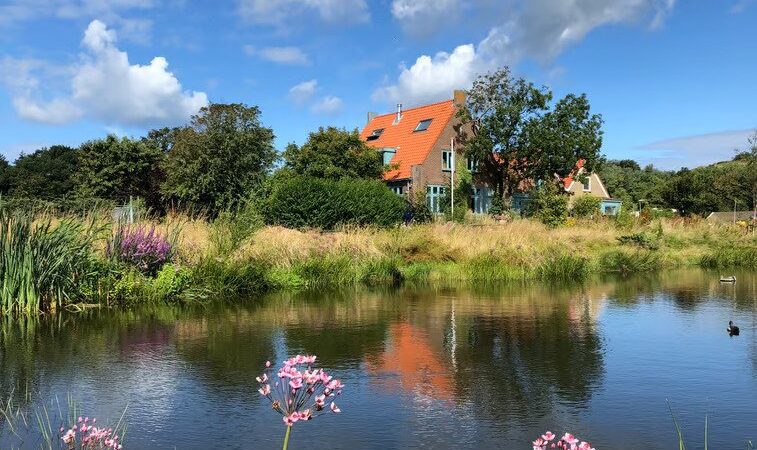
732,329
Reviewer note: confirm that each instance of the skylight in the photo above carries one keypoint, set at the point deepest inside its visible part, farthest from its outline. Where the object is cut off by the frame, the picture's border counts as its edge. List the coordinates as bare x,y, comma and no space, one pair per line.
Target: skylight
375,134
423,125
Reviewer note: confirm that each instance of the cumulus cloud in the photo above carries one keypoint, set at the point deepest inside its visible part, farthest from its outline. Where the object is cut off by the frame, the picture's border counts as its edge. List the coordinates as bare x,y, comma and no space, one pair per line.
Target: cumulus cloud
105,86
302,93
328,105
280,55
536,29
276,12
697,150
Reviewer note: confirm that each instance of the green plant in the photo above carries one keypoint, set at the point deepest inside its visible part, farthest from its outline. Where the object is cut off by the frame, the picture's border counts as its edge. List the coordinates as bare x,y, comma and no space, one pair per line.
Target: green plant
41,266
642,240
304,202
548,205
585,207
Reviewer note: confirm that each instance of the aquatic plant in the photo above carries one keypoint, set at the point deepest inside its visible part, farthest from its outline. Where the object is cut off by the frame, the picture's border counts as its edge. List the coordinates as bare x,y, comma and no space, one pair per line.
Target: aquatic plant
299,392
567,442
142,247
85,435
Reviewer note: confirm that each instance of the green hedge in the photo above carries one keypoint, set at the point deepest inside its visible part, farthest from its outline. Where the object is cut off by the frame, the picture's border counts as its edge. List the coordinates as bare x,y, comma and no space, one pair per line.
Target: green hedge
304,202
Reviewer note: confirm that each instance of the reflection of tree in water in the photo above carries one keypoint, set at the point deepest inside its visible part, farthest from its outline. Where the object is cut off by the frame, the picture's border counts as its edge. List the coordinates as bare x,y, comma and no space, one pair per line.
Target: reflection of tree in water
513,366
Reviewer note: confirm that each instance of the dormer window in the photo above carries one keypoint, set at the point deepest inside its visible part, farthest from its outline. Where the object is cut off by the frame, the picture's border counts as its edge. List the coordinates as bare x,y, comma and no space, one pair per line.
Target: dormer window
375,134
387,153
423,125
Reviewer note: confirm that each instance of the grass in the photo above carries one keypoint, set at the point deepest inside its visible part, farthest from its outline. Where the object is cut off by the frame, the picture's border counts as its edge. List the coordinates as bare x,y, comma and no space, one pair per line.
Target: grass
235,256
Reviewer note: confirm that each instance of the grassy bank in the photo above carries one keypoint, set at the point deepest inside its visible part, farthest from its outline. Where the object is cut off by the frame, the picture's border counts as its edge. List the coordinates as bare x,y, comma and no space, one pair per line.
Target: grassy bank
231,259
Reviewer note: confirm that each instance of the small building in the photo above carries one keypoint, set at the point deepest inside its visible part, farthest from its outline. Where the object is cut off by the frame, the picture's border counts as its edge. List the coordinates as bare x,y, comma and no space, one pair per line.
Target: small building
416,144
732,217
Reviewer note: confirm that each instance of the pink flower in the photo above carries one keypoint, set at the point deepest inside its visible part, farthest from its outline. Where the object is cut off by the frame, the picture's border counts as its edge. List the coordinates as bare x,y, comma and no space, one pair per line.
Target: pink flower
265,389
262,379
569,438
296,383
548,436
267,364
335,408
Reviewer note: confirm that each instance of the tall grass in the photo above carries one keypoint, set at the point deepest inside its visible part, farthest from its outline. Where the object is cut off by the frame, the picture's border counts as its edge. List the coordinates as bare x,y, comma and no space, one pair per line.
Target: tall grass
42,265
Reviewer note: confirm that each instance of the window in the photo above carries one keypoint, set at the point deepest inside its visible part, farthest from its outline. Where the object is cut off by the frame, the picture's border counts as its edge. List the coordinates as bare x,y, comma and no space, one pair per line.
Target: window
387,153
447,160
396,189
587,184
375,134
482,200
434,196
423,125
471,164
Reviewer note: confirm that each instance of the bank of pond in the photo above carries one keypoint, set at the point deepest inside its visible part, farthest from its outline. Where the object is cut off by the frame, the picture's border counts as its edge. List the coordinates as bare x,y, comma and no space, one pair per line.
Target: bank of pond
75,263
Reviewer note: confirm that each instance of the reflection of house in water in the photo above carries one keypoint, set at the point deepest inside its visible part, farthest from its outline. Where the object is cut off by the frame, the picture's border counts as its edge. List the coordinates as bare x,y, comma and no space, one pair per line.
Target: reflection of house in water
409,362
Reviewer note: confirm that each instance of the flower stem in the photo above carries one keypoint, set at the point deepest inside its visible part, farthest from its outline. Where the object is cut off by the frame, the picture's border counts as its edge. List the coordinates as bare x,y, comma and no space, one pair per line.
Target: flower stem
286,438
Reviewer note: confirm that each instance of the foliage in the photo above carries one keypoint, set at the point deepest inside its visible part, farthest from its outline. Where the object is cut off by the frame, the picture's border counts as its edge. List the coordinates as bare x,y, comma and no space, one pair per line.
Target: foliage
463,192
420,209
144,248
642,240
232,227
548,205
585,207
334,153
305,202
628,182
498,206
41,266
118,169
223,154
4,176
731,256
518,138
45,174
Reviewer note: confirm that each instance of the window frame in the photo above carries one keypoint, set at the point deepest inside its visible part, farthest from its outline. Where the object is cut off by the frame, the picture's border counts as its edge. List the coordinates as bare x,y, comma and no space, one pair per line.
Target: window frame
448,167
418,127
587,186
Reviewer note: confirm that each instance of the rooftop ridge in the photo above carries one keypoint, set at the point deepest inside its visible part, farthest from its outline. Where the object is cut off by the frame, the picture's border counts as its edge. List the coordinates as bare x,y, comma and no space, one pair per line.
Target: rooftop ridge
414,108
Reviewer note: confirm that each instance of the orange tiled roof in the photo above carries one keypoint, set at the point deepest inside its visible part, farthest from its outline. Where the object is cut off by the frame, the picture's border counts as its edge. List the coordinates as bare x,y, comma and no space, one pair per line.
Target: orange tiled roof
567,181
412,147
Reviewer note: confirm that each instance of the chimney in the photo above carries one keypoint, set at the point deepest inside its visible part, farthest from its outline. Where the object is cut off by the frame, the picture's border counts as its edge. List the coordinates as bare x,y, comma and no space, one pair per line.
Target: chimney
459,96
399,113
371,115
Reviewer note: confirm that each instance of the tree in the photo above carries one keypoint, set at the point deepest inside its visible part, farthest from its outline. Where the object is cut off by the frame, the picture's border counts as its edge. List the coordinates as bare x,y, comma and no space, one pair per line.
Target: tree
498,110
45,174
217,159
117,169
334,153
518,137
549,204
585,207
4,175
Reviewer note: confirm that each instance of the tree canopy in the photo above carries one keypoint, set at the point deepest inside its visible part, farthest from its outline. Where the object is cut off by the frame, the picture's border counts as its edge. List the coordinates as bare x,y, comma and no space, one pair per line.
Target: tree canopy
334,153
117,169
218,158
516,135
45,174
4,175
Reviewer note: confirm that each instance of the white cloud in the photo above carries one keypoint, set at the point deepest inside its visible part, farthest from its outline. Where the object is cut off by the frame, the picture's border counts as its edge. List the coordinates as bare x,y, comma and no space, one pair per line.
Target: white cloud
104,86
281,55
277,12
537,29
697,150
425,16
302,93
328,105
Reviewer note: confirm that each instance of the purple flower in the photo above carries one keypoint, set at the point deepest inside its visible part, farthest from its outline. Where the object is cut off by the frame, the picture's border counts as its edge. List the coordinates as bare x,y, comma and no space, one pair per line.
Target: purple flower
142,247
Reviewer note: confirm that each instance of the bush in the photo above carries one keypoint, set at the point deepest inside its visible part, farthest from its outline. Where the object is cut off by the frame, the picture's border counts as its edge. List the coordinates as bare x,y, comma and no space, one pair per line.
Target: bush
141,247
421,212
304,202
548,205
585,207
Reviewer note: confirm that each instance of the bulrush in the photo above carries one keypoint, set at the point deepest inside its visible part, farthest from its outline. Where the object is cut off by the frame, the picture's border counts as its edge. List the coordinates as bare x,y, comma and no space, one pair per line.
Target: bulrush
299,392
567,442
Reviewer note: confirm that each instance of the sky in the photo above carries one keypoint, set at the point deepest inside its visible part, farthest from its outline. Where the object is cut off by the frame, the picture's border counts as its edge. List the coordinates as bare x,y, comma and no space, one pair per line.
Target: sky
674,80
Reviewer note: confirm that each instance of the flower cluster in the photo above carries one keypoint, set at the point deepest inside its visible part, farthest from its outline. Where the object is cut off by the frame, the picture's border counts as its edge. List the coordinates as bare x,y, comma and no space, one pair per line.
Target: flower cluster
144,248
299,392
567,442
85,435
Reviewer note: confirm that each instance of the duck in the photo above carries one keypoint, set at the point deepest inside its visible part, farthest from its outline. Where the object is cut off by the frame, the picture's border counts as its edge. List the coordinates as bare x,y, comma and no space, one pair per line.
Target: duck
732,329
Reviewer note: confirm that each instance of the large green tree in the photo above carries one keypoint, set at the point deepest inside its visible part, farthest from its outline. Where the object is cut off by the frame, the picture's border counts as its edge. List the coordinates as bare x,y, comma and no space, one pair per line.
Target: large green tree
626,180
334,153
517,135
4,175
46,174
117,169
223,154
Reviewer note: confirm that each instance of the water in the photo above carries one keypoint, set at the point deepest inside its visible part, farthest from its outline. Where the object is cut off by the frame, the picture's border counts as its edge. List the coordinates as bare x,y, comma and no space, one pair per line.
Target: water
441,368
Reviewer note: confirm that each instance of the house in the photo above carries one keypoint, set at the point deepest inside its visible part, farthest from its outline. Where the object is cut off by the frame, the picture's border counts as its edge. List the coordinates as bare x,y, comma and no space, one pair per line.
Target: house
416,144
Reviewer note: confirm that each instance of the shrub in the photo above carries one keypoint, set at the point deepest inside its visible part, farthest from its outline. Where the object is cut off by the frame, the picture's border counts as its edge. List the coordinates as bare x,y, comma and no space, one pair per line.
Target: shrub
731,256
421,212
585,207
643,240
141,247
548,205
304,202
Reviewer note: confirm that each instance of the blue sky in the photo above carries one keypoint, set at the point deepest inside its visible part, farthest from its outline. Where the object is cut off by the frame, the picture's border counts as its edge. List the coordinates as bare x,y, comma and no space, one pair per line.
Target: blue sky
674,80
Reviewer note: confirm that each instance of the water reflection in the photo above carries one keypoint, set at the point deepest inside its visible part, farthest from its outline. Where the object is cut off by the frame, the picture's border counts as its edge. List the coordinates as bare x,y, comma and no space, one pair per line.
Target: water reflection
494,364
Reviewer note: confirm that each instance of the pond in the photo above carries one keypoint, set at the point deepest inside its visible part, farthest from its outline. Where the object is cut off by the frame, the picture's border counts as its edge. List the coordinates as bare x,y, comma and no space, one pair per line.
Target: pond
424,367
